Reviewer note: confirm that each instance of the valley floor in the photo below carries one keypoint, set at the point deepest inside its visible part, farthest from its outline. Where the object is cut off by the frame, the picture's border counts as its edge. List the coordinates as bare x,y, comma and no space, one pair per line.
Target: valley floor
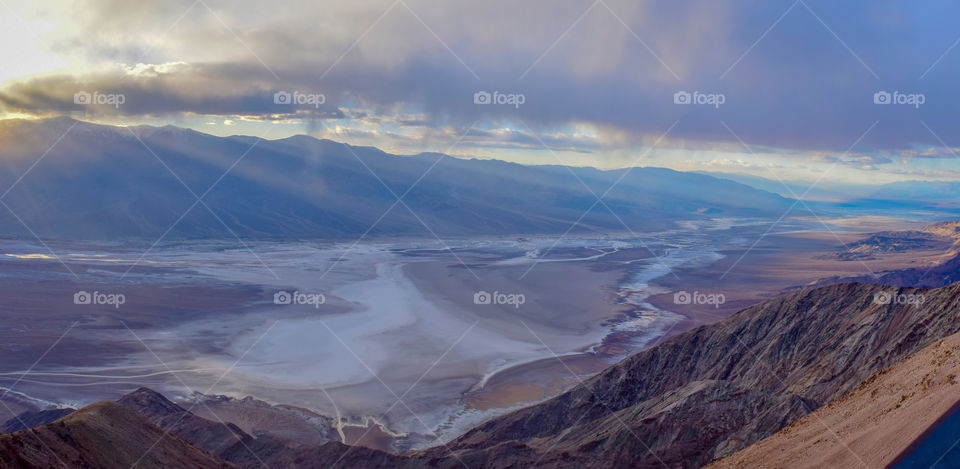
401,354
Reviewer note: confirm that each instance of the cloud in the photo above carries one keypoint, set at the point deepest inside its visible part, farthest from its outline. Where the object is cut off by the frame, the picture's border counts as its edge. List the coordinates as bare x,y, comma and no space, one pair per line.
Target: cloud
802,79
152,90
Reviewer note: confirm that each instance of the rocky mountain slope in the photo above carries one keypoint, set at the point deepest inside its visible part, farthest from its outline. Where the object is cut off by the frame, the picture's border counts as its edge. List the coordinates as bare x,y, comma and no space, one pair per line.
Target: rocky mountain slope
716,389
77,180
871,425
228,442
213,437
87,438
104,435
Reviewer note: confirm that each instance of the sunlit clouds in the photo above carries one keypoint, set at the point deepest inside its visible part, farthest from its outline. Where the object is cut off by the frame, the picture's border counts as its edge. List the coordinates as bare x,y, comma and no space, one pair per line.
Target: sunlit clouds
597,79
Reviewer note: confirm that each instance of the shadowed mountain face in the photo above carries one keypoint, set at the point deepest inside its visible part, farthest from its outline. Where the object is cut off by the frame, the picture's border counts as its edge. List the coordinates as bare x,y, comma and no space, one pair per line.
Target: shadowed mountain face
214,437
230,443
77,180
147,430
32,419
103,435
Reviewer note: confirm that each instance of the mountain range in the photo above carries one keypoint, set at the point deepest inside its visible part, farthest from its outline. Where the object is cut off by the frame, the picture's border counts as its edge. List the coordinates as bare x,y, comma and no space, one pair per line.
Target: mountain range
942,236
68,179
903,195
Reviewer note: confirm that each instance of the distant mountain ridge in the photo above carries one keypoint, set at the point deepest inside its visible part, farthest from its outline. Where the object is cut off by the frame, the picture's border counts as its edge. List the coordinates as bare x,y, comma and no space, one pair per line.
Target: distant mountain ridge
942,235
31,419
909,195
68,179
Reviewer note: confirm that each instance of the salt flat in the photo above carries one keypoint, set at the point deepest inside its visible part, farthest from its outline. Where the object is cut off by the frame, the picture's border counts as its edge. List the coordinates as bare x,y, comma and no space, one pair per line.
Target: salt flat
401,338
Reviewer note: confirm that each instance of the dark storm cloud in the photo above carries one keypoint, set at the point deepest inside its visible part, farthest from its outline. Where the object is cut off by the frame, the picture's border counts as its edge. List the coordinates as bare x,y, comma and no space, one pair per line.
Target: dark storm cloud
221,89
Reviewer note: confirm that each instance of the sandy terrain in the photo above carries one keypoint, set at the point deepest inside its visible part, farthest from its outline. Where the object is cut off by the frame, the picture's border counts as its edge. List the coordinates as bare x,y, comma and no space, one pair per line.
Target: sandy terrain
261,418
782,260
871,425
533,381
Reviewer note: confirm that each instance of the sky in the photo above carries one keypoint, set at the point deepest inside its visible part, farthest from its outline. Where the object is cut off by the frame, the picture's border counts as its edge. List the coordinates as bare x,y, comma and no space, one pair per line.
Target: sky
860,92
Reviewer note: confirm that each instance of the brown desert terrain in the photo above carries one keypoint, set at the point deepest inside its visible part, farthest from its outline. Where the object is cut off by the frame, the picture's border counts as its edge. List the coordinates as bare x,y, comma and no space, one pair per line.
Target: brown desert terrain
103,435
871,425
